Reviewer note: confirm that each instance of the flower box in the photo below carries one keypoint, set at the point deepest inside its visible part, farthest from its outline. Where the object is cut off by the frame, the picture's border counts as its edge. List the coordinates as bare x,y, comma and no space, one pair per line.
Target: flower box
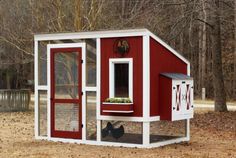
117,107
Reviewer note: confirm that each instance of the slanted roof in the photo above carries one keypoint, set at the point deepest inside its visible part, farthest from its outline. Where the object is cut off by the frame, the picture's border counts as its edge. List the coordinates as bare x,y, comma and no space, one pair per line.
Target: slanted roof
177,76
90,34
107,34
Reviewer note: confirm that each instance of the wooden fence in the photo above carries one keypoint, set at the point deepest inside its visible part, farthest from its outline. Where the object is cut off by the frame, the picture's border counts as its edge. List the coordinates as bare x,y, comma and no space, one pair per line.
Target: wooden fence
14,100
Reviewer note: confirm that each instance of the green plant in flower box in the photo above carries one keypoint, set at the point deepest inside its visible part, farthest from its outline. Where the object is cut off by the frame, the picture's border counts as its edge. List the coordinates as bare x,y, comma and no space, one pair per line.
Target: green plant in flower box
118,100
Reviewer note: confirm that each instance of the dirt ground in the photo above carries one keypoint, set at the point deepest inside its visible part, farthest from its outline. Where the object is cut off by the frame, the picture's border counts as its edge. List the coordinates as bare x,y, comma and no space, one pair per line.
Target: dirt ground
212,135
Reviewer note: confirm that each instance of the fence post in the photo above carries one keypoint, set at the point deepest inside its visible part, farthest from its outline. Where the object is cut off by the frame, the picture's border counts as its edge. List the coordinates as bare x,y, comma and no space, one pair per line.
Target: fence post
203,93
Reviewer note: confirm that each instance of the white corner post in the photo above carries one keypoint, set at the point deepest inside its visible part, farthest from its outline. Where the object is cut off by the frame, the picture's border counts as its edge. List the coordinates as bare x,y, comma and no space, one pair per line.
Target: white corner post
84,90
146,90
49,92
36,118
98,49
187,124
187,129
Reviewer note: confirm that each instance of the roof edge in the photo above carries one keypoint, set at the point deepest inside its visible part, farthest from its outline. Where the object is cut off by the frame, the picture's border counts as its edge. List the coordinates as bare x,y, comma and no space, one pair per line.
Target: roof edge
91,34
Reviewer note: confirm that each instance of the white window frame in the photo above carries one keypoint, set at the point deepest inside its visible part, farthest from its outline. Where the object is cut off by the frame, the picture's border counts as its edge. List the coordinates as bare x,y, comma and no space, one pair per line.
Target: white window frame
112,63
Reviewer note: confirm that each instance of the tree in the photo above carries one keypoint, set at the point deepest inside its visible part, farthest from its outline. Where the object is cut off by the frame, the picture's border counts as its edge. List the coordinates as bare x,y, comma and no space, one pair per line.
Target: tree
218,81
234,87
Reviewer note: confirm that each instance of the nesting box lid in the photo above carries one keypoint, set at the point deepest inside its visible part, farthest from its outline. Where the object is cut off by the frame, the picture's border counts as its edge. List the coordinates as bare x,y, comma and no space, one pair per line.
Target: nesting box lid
177,76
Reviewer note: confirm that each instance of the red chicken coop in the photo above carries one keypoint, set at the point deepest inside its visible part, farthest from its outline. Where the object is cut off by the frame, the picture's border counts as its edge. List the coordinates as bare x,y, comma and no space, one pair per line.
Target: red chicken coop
115,88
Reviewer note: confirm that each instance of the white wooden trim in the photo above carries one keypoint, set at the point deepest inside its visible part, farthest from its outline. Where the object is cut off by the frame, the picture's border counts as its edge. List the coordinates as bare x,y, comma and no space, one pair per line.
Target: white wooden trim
146,77
117,103
112,63
92,89
49,92
146,133
130,119
154,118
68,45
42,87
98,104
146,89
41,138
187,129
36,113
116,111
115,144
167,142
84,90
188,69
91,34
90,142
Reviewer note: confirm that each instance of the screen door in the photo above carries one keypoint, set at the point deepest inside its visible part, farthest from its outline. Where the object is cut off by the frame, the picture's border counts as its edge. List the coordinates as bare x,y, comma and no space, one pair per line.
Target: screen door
66,94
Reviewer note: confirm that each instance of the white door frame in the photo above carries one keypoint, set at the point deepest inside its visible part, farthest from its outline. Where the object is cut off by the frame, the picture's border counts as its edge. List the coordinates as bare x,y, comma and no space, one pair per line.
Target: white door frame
67,45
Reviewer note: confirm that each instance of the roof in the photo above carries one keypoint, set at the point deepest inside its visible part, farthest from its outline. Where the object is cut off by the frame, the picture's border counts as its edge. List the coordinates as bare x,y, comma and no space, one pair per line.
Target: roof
177,76
91,34
107,34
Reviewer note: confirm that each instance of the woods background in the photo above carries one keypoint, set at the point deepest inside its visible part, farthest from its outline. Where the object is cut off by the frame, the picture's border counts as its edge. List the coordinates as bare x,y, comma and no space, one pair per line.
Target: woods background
184,24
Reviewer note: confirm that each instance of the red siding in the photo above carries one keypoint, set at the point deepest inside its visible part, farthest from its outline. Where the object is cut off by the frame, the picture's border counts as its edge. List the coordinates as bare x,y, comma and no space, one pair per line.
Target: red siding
165,95
137,55
161,60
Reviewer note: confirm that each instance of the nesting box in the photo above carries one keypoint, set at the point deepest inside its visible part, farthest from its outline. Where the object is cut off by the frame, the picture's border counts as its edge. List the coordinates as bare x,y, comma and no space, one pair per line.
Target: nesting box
176,96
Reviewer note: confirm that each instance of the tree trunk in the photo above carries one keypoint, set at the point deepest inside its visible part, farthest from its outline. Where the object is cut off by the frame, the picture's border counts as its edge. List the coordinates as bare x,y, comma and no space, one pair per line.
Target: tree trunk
200,60
234,87
218,82
203,57
8,80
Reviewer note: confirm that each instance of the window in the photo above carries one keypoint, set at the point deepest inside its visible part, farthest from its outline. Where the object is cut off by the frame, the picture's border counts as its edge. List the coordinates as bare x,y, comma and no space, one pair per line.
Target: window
121,78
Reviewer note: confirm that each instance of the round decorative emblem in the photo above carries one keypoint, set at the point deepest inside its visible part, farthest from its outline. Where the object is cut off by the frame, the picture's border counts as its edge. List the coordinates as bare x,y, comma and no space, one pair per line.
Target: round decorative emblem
121,46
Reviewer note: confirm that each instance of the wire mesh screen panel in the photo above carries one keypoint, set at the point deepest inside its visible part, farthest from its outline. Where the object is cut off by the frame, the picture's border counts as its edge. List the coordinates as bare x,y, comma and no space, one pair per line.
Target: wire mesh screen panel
166,130
66,117
91,62
42,102
66,75
122,132
42,62
91,121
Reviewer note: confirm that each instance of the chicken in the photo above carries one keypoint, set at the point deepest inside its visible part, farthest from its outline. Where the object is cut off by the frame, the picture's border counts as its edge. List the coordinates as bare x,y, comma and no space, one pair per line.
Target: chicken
114,132
107,130
118,132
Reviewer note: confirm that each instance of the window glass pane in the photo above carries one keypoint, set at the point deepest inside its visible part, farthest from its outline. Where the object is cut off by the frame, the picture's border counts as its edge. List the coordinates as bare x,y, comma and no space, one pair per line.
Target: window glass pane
66,75
123,132
91,121
42,102
66,117
166,130
121,80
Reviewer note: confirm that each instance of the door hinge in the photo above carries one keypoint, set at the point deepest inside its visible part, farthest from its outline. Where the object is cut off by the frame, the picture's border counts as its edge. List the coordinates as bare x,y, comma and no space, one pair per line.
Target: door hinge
82,61
82,125
82,93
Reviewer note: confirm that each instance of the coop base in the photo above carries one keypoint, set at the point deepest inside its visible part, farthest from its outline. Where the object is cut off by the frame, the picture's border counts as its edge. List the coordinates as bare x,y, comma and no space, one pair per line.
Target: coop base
162,141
